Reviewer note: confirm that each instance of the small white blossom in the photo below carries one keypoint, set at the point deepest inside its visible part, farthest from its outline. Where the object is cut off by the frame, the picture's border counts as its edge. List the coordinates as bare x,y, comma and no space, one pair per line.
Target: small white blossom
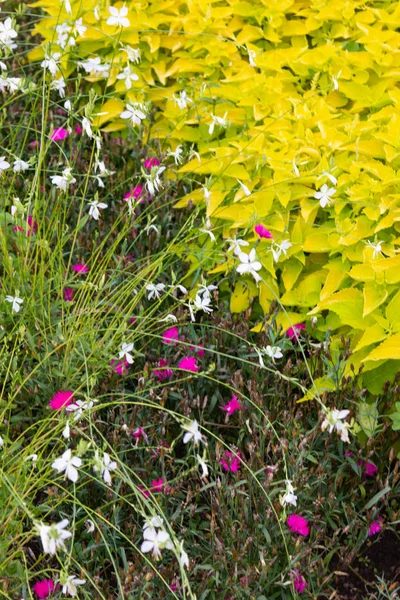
153,181
236,245
78,407
134,113
244,188
192,433
128,77
133,54
94,211
289,497
155,541
220,121
86,126
67,6
335,80
333,420
125,351
273,352
278,249
64,180
1,442
324,195
7,33
207,194
377,248
3,164
169,318
203,465
59,85
118,17
184,558
69,464
68,105
20,165
249,264
252,57
177,155
155,290
154,523
182,100
94,66
104,465
51,61
32,457
79,27
53,536
16,303
89,525
69,585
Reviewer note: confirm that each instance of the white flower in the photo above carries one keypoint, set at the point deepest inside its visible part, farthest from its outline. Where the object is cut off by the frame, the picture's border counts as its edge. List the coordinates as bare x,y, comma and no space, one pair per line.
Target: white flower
118,17
3,163
53,536
210,233
331,177
1,442
68,463
67,6
273,352
333,420
86,126
177,155
236,245
278,249
289,497
244,188
20,165
169,318
94,66
94,211
154,541
134,112
3,66
68,105
203,465
59,85
193,433
69,585
14,83
184,558
324,195
249,264
16,302
154,290
104,466
50,62
64,180
133,54
207,194
89,526
252,57
128,76
202,302
377,248
154,522
79,27
79,407
335,80
182,100
125,351
32,457
220,121
7,33
66,432
295,169
153,181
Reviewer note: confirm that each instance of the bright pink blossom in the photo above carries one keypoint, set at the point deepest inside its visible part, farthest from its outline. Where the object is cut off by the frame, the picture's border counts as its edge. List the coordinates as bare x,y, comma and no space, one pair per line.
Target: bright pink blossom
298,524
134,193
170,336
68,294
151,162
293,332
78,129
43,588
18,228
230,462
189,363
140,432
120,366
375,527
61,399
263,232
59,134
80,268
163,373
199,349
369,468
157,485
31,227
299,582
233,405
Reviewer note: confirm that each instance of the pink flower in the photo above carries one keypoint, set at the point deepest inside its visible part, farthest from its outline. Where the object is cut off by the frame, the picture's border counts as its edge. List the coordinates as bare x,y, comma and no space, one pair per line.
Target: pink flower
138,433
299,582
18,228
34,144
230,462
369,468
375,527
68,294
298,524
31,227
263,232
134,193
173,587
61,399
58,135
198,349
80,268
157,485
120,366
78,129
188,363
233,405
162,372
43,588
170,336
293,332
151,162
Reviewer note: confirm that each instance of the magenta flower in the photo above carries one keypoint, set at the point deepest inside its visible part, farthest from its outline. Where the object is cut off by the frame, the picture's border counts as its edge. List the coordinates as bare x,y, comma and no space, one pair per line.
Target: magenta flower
134,193
263,232
61,399
293,332
43,588
58,135
31,227
299,582
230,462
170,336
68,294
298,524
78,129
163,373
138,433
120,366
151,162
80,268
233,405
199,350
375,527
157,485
369,468
18,228
189,363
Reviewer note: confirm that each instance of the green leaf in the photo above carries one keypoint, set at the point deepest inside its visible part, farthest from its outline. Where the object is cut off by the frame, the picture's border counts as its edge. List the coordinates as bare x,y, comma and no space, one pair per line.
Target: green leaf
376,498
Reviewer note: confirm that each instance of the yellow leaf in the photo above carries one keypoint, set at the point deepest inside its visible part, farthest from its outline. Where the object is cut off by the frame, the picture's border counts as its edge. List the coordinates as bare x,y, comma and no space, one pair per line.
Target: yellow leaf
372,335
111,109
321,385
291,270
393,312
240,299
374,296
389,349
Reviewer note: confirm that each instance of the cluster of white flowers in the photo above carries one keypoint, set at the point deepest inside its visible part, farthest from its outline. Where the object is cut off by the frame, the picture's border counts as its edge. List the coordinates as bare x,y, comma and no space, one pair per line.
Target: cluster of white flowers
202,300
68,33
334,420
289,497
8,34
156,539
278,249
64,180
155,290
273,352
153,181
134,112
94,66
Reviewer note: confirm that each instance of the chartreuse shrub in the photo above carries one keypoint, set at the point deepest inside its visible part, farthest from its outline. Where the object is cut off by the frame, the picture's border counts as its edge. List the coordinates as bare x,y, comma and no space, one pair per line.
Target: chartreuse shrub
269,102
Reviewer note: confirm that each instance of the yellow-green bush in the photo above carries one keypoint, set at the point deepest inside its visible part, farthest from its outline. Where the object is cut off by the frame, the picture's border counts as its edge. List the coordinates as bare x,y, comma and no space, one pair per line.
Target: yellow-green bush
323,97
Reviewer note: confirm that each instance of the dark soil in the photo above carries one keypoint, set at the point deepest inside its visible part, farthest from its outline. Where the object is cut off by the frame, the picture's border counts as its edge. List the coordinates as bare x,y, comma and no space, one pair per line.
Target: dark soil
380,556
